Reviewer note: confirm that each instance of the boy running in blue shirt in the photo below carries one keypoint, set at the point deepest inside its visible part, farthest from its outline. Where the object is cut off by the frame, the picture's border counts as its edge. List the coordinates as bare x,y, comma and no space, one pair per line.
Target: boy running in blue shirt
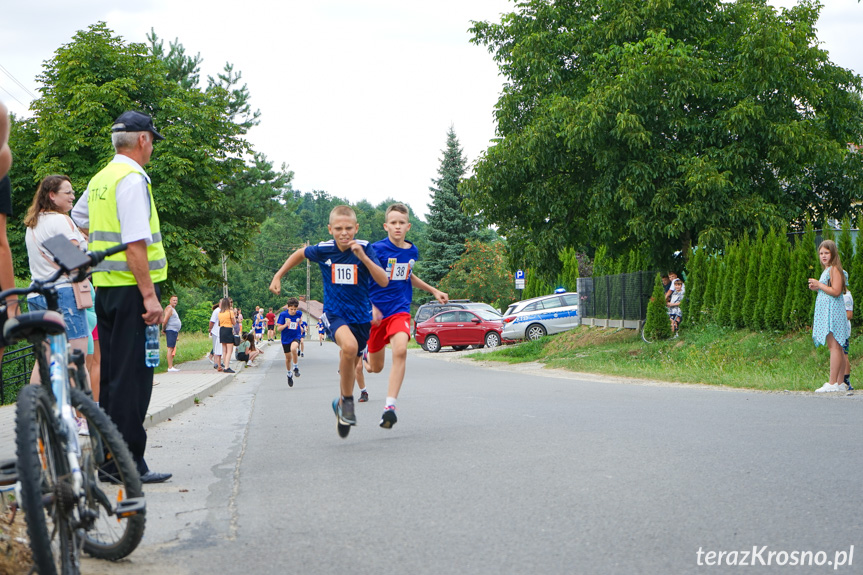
290,326
392,304
346,266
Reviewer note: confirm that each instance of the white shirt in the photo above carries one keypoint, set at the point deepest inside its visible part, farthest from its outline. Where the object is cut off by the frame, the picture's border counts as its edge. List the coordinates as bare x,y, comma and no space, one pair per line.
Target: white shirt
133,200
849,306
47,226
214,318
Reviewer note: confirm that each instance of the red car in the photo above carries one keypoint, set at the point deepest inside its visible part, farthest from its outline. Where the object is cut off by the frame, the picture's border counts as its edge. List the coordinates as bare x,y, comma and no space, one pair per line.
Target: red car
459,328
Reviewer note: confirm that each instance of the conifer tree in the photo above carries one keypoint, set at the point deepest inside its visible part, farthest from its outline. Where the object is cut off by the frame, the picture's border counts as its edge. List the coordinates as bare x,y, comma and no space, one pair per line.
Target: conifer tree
723,308
763,283
657,325
812,267
692,303
738,285
855,280
794,282
448,226
827,232
777,280
568,278
846,247
750,300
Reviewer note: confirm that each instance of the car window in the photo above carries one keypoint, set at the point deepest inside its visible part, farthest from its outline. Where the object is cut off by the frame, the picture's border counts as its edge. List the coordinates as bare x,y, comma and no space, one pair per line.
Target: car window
571,299
551,303
465,316
447,317
532,307
488,315
509,310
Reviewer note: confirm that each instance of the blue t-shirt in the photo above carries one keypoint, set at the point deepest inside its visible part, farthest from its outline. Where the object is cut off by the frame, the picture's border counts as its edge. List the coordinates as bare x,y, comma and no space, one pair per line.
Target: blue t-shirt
292,332
346,280
399,265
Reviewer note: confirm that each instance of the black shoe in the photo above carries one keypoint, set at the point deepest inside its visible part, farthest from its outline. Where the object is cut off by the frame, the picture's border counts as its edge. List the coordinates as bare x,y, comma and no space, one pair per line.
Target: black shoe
290,380
296,372
364,396
345,412
388,419
153,477
228,370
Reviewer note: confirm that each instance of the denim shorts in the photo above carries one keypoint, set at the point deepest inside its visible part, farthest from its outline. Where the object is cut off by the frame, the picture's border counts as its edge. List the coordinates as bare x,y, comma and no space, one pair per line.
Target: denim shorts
75,319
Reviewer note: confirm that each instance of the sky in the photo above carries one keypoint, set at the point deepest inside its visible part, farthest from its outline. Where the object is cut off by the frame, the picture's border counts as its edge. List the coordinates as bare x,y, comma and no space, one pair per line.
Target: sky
356,96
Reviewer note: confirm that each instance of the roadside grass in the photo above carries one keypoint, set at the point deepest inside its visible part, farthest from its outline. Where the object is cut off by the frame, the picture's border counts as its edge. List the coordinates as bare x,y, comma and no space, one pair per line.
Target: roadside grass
709,355
190,347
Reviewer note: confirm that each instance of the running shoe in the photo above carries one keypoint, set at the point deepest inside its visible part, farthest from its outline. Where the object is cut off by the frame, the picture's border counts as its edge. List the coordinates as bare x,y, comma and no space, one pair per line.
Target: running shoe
290,380
364,396
345,412
388,419
827,388
228,370
296,371
343,429
173,369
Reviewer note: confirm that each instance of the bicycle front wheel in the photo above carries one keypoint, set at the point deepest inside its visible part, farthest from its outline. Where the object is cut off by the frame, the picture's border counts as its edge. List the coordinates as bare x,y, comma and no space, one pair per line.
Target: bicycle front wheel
113,502
47,493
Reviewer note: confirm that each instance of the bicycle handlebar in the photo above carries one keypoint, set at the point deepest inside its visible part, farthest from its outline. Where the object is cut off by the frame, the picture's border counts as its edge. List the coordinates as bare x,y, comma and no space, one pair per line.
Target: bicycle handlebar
40,286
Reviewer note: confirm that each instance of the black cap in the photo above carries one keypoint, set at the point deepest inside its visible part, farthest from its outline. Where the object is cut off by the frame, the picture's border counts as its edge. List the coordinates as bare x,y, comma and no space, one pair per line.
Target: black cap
135,122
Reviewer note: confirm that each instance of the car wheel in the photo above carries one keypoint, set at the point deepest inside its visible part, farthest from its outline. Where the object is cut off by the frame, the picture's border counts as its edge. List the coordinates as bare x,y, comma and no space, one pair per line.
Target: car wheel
459,347
432,344
534,332
492,339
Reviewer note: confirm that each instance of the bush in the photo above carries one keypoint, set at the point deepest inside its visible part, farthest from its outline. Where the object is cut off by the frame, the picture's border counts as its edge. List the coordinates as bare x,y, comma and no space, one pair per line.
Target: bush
657,324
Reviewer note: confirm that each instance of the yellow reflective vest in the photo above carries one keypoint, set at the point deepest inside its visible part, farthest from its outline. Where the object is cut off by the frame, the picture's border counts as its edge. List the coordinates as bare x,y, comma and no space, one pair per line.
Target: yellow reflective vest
105,230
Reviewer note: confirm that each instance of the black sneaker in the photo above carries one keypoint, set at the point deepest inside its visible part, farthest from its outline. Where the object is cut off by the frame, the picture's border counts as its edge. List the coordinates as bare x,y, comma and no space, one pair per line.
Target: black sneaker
342,428
296,372
345,412
848,383
388,419
229,370
364,396
290,380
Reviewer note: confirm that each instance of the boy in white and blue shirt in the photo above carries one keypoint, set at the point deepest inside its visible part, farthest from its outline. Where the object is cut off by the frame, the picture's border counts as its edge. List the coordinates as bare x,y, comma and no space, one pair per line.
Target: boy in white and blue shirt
290,325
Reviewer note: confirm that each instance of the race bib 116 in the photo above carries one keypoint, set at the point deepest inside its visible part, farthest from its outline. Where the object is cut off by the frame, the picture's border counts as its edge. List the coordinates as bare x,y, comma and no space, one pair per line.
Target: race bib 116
344,274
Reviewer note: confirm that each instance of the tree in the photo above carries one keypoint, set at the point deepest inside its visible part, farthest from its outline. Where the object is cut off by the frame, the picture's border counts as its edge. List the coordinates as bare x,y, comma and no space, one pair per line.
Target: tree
211,189
629,123
481,274
657,325
448,226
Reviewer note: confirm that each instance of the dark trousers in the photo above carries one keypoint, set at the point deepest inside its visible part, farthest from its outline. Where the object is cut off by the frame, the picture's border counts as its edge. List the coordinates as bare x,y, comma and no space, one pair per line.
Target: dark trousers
127,383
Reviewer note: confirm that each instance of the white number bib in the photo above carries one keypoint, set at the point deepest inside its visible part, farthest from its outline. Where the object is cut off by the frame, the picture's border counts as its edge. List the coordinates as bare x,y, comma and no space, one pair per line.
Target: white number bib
292,326
400,272
345,274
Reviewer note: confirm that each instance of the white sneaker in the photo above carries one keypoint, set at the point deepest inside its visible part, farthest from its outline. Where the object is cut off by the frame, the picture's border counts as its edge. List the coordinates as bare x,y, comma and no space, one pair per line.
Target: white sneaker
841,387
827,387
173,369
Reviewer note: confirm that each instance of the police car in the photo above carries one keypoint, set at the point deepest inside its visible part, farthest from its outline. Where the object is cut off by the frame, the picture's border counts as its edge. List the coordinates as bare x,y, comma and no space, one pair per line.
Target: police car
534,318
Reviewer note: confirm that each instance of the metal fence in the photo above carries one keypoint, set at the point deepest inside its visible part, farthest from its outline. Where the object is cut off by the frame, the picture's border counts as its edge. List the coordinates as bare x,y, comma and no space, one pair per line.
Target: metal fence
620,300
15,372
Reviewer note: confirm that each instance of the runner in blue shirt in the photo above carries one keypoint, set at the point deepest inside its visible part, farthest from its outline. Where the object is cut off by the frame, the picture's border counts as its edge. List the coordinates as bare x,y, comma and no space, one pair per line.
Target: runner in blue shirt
289,324
346,266
392,303
304,330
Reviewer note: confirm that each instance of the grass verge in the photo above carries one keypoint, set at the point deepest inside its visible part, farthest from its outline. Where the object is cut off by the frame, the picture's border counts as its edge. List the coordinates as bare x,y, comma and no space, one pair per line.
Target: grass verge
710,355
190,347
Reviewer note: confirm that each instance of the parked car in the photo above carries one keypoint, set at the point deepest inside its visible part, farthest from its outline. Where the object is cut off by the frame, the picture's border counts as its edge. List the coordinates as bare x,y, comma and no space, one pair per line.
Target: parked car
426,310
533,318
460,328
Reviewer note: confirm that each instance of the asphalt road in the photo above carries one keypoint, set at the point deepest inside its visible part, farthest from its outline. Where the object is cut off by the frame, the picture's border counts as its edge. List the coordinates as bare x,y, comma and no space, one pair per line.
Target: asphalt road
507,470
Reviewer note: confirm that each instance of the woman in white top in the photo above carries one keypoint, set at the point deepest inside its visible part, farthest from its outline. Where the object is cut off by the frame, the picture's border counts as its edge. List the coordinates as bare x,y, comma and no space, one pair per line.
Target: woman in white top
46,218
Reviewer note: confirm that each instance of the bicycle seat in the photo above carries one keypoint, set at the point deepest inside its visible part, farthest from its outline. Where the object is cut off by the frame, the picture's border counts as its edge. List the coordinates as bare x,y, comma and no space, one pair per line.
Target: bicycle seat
33,322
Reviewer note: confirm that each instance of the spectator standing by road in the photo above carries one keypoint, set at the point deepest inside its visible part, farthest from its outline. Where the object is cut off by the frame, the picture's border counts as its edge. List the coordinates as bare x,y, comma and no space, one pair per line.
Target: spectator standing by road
216,354
7,275
171,323
46,218
226,333
118,207
830,324
674,299
849,313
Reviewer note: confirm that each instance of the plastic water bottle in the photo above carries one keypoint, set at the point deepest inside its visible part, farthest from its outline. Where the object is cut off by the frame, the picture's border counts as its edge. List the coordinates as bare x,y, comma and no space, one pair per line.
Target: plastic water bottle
151,346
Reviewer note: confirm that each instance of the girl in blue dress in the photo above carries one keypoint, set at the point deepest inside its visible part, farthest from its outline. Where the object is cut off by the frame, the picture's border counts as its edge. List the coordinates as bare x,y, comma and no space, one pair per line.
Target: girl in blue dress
830,325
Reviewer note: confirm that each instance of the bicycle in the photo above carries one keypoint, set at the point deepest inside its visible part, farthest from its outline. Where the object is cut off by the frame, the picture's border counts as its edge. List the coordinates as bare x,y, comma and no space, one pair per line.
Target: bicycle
75,495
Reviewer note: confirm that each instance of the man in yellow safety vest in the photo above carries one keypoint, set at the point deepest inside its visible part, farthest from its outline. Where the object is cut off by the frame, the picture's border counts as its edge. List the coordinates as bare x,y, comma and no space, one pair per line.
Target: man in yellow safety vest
118,207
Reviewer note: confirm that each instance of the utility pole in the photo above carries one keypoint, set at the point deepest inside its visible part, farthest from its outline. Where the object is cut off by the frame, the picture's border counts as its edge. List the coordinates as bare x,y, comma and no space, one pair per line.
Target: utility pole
224,275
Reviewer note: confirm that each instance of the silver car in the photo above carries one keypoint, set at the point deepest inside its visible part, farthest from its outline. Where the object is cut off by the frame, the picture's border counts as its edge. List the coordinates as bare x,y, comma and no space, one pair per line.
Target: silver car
533,318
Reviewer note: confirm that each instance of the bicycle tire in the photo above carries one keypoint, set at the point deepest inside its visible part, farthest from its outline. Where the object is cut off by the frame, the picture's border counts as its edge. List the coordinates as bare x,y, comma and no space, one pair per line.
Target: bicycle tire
643,336
107,536
47,495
